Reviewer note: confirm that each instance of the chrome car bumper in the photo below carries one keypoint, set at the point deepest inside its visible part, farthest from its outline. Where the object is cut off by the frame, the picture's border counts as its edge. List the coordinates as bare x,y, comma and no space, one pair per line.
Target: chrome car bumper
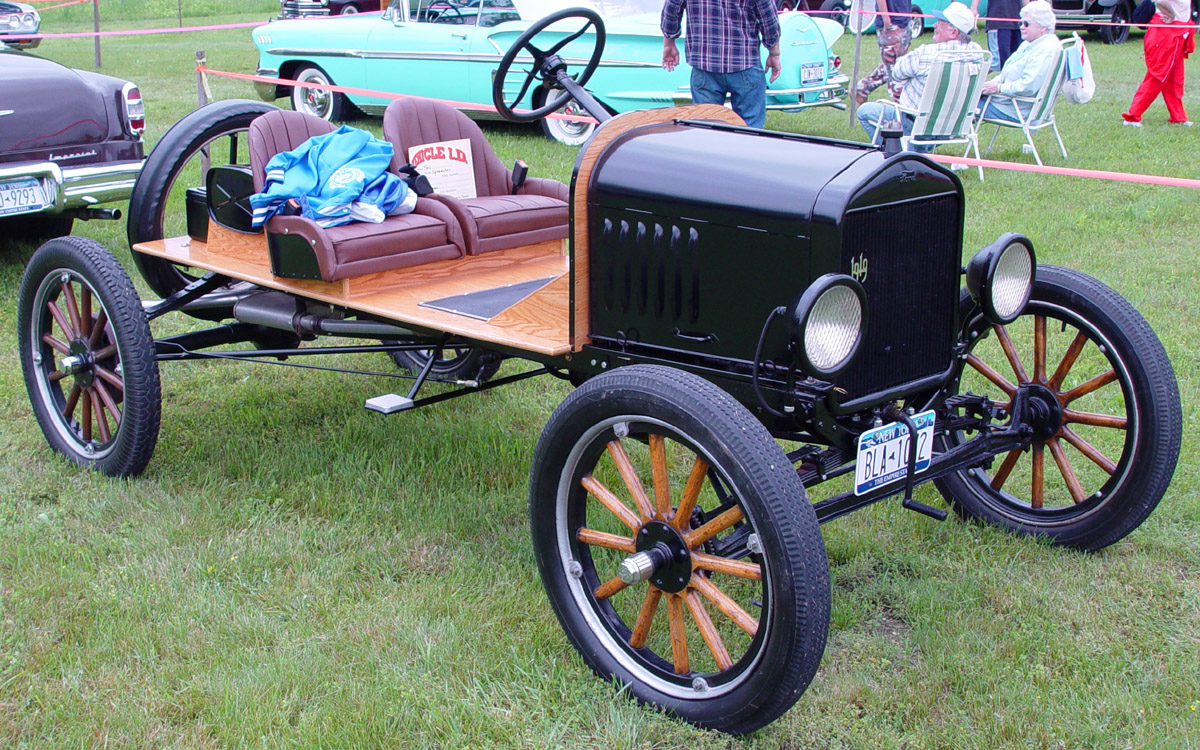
67,188
829,94
268,92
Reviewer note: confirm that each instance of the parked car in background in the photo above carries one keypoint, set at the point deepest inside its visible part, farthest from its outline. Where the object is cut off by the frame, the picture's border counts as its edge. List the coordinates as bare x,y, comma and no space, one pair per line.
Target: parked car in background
16,21
70,140
306,8
449,49
838,10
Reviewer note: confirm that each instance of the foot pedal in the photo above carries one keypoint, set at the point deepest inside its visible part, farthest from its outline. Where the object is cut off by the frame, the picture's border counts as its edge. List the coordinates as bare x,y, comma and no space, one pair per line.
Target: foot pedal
389,403
925,510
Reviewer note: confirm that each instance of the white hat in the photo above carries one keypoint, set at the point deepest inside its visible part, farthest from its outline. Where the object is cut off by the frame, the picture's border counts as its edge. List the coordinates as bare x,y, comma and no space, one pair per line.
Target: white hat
958,16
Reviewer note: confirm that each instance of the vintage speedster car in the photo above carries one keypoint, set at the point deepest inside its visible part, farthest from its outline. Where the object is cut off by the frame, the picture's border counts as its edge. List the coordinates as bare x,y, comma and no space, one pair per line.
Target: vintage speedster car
18,21
70,140
447,49
738,331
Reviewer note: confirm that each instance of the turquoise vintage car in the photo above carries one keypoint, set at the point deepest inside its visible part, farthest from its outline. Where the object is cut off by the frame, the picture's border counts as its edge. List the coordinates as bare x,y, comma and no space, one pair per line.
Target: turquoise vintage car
449,49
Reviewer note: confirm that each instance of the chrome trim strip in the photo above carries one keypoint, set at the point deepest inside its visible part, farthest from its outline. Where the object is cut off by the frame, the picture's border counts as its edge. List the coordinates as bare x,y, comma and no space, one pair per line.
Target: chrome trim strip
483,57
78,187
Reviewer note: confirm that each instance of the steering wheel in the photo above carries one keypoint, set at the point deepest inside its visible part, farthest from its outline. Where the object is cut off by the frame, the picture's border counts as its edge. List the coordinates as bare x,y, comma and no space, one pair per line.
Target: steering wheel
547,65
443,8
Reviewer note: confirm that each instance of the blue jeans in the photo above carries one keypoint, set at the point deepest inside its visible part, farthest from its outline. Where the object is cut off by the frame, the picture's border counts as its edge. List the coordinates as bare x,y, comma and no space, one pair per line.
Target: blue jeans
747,91
870,113
994,48
995,113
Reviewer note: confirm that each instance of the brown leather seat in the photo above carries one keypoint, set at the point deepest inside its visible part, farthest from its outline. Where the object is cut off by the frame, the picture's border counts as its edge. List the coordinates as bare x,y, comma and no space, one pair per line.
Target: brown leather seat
431,232
497,218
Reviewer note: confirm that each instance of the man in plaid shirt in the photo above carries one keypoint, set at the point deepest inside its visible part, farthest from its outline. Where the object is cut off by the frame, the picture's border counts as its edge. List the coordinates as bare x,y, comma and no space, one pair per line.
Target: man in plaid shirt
722,46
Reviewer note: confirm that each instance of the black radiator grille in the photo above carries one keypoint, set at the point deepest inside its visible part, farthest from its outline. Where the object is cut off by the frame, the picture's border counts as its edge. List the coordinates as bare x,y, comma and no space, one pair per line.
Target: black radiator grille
910,254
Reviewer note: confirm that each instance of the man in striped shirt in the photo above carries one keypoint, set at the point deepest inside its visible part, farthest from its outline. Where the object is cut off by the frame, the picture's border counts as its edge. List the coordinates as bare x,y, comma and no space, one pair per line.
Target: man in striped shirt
722,46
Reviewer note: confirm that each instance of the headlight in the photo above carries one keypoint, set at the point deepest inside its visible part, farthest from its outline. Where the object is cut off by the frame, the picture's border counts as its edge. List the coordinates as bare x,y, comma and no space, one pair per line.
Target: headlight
826,323
1000,277
12,22
30,20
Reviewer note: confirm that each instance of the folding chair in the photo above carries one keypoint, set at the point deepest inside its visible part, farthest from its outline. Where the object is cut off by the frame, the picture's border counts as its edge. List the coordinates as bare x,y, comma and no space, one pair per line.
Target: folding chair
946,112
1041,113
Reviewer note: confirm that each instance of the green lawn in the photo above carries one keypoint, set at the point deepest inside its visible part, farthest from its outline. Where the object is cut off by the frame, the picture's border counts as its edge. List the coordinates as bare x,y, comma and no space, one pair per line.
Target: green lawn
293,571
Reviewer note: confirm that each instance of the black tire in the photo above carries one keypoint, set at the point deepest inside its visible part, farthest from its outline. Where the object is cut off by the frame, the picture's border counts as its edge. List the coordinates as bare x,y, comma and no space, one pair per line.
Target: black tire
456,363
916,24
1121,14
1119,371
763,673
35,229
156,206
328,105
348,10
76,299
840,6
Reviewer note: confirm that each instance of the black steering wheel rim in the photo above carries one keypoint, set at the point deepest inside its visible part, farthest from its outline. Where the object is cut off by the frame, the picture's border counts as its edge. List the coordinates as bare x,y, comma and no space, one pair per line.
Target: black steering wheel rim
540,70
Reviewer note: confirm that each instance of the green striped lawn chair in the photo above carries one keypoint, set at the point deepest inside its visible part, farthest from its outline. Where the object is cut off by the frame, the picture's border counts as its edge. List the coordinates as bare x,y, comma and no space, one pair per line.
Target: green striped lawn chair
1041,114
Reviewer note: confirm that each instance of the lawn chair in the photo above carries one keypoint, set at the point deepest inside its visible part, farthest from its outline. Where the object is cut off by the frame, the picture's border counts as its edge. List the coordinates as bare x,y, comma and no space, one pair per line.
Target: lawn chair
1041,114
946,112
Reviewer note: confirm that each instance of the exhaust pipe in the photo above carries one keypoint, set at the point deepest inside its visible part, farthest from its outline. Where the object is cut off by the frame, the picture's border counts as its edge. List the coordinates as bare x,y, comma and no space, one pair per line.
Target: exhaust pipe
287,313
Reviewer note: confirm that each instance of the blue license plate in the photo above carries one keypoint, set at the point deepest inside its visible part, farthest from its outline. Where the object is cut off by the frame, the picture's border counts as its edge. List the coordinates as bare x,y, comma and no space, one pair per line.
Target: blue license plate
21,196
883,453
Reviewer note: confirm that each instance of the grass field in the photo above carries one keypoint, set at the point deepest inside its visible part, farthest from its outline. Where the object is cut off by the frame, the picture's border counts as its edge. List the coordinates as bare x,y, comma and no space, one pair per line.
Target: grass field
293,571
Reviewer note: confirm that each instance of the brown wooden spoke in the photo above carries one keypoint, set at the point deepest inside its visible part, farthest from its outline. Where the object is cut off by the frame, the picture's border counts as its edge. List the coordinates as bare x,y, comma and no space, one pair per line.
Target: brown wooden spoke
708,631
726,604
679,649
1039,348
608,588
1064,468
61,319
712,528
98,411
632,482
1068,361
641,628
1088,450
611,501
1096,420
606,540
725,565
86,421
55,376
68,293
107,400
85,310
1005,469
662,481
72,399
98,329
102,354
1010,351
55,344
111,377
1039,483
991,374
1088,386
691,492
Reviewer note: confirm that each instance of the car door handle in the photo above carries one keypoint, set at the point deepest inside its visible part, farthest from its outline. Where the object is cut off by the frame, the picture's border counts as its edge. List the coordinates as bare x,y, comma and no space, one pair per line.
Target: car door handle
459,36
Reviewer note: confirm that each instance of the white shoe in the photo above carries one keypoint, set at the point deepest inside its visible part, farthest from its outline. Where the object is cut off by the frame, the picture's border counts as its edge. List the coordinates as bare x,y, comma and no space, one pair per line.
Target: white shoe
1026,148
1185,123
1129,124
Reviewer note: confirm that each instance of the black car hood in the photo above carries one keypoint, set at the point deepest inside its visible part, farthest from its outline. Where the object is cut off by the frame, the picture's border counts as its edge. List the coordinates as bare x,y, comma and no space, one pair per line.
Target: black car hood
51,105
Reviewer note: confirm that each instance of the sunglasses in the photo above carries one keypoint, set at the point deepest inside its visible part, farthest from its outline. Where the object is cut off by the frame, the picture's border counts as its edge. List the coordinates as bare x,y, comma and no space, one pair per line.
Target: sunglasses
1024,23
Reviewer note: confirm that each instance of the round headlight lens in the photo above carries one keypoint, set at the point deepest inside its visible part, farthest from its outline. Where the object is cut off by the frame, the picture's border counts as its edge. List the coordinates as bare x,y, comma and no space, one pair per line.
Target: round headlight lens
834,328
14,22
1012,280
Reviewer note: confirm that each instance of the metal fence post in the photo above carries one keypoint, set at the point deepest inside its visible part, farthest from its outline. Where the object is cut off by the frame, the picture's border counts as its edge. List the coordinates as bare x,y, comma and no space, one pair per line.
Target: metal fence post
96,26
201,100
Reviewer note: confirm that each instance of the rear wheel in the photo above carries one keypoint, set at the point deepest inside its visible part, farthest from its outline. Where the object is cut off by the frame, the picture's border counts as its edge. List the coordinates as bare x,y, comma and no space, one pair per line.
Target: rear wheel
708,594
1106,415
328,105
1121,13
836,10
348,10
453,363
916,23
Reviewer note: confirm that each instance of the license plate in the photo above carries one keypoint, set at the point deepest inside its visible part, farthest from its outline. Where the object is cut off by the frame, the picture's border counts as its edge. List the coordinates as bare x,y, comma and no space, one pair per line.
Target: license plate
883,453
812,73
21,196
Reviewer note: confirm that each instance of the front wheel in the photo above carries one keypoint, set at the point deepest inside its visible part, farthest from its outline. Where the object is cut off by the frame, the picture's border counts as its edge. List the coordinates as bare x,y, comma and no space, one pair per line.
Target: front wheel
836,10
327,105
916,23
653,490
1118,33
88,357
567,132
1106,415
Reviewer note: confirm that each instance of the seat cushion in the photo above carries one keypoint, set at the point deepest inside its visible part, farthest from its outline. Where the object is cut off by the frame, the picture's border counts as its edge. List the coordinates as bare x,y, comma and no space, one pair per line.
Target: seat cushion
498,215
397,234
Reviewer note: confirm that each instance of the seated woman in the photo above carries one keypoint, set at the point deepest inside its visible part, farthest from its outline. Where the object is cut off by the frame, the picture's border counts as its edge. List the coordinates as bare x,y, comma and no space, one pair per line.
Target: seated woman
1024,72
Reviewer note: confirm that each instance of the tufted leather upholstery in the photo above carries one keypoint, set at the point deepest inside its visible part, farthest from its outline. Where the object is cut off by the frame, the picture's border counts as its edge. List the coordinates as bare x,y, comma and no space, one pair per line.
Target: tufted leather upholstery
497,218
431,232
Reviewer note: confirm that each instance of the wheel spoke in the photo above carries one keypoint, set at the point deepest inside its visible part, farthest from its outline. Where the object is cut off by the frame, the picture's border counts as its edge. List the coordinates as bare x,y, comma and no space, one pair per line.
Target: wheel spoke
1006,468
98,329
85,310
725,565
72,307
564,42
1039,348
113,379
1039,460
726,604
1096,420
55,344
107,401
645,618
61,319
662,481
1068,361
708,631
1088,450
632,482
98,410
991,374
102,354
606,540
72,399
611,501
1090,386
691,492
710,529
1010,351
1064,468
608,588
86,421
55,376
679,649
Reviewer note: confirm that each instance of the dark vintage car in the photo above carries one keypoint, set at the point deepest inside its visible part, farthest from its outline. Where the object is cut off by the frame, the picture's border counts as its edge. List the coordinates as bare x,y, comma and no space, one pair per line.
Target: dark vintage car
302,8
1085,14
17,21
70,141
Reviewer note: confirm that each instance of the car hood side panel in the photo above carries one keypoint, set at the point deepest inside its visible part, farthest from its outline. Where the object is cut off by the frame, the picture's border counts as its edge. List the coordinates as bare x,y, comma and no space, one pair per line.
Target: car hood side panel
39,119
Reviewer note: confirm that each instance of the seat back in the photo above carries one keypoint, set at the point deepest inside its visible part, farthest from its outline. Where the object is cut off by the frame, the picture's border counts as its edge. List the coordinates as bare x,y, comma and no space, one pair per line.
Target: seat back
951,96
412,122
1056,74
279,131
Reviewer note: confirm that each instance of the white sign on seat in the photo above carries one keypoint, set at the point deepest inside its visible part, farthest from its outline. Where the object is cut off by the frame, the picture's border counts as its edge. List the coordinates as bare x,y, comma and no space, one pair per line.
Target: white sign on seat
448,166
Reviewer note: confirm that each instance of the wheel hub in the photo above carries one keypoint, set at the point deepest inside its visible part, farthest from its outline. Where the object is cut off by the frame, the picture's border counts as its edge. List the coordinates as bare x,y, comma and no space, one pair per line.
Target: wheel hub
662,558
1043,412
78,363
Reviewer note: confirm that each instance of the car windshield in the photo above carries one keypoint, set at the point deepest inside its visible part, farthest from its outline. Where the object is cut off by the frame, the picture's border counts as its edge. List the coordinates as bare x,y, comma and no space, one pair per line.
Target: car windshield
531,10
493,12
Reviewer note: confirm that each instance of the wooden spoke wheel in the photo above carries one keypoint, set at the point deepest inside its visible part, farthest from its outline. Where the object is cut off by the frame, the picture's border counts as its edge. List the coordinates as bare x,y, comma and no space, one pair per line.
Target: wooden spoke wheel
678,548
1104,409
88,357
454,363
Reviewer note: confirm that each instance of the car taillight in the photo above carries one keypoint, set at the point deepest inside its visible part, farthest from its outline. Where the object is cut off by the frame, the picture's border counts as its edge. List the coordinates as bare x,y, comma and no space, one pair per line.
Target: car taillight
835,62
135,111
